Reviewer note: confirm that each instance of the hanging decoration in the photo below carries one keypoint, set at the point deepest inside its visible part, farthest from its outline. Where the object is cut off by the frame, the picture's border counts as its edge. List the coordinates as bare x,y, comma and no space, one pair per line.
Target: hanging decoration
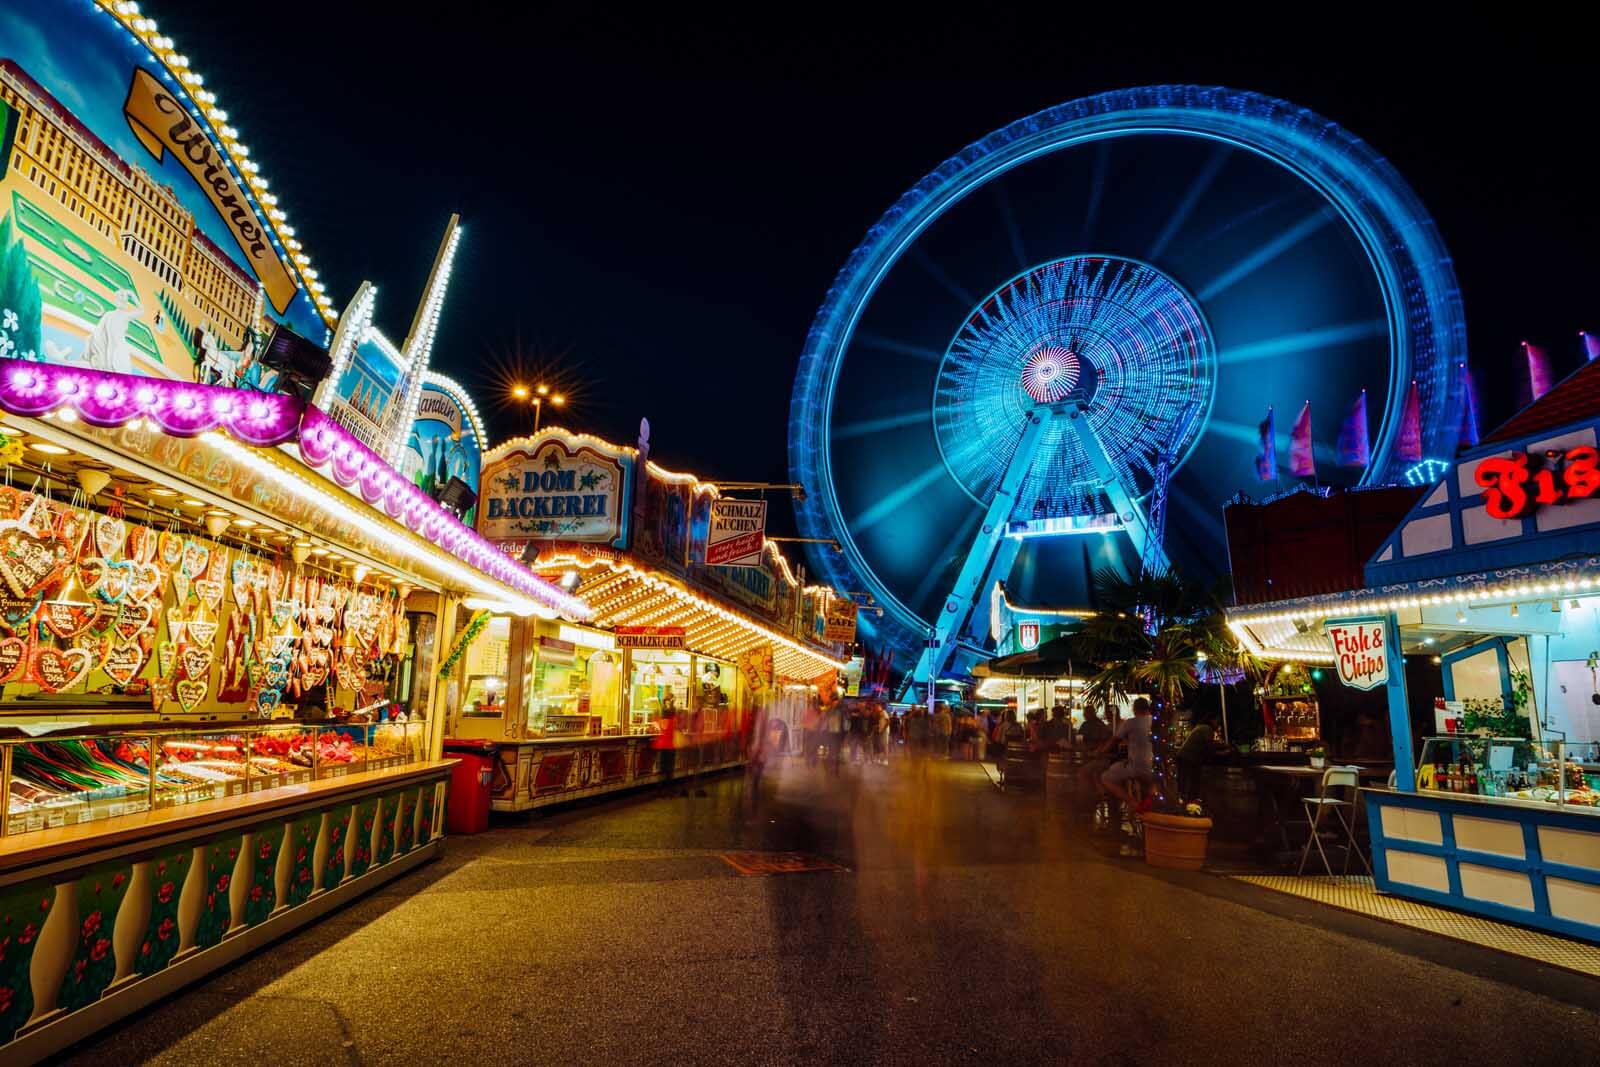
474,626
1302,463
1353,440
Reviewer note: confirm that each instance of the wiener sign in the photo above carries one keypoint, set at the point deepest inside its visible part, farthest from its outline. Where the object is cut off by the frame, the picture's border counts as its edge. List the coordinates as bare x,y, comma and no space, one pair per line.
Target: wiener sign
1513,486
1361,651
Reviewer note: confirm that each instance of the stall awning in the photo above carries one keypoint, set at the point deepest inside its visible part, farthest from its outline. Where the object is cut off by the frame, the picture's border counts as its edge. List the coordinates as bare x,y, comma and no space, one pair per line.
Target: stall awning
622,594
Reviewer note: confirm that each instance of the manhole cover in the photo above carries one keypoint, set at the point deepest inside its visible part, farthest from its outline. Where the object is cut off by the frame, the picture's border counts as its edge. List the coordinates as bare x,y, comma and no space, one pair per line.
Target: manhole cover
756,864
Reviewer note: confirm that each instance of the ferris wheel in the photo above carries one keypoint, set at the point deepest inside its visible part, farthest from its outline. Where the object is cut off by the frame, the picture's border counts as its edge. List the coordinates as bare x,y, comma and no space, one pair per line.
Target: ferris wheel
1052,354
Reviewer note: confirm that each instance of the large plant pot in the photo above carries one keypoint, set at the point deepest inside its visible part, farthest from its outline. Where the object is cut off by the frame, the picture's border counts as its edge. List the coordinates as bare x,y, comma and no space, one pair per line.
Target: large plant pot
1176,842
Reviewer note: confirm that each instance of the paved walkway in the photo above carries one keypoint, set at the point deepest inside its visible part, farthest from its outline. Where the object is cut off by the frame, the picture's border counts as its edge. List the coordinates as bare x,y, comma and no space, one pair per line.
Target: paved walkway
954,925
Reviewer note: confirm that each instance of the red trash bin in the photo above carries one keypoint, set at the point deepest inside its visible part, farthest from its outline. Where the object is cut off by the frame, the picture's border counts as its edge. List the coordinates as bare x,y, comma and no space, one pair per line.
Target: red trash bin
470,779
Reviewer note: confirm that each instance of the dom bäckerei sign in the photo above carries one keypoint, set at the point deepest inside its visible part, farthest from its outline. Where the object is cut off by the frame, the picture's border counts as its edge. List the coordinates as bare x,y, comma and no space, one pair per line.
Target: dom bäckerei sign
554,489
1361,651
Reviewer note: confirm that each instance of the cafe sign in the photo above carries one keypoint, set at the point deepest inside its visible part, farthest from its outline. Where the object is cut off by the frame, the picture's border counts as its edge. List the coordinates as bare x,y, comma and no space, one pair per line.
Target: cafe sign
554,488
1361,651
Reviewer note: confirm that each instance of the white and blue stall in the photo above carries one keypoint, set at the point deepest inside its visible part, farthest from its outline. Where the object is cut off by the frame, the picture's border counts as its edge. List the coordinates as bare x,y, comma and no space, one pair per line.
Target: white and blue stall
1494,576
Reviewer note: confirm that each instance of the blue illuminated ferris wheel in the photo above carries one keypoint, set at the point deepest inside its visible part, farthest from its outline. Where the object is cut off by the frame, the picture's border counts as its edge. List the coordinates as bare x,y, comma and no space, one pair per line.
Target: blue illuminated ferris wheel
1070,331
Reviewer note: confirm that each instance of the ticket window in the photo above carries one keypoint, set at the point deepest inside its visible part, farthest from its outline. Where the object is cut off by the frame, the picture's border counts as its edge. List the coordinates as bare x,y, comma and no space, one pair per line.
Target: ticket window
659,680
574,690
716,684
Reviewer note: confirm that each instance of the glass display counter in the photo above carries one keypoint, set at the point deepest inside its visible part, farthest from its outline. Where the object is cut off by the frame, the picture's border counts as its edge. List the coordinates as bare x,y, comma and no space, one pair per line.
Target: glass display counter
76,778
1513,769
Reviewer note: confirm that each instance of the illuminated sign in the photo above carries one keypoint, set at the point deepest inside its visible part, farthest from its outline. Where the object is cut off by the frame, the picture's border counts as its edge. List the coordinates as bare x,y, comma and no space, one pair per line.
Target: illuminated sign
1361,651
444,443
1028,635
650,637
1514,485
738,532
840,622
135,235
554,491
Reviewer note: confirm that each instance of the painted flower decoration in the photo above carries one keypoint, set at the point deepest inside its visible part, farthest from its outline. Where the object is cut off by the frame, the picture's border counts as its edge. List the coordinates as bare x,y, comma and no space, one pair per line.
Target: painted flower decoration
222,883
101,947
266,849
6,345
164,894
29,932
78,969
9,320
164,931
91,925
118,879
5,997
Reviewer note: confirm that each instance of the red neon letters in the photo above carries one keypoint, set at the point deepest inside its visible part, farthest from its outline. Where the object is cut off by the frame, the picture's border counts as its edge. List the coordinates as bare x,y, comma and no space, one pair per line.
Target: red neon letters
1513,487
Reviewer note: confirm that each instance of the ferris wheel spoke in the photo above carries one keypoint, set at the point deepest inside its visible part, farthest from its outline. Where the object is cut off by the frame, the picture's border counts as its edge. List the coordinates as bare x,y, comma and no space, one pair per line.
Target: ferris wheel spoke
881,343
868,427
1303,341
1013,234
1267,253
1097,189
1180,214
897,498
940,275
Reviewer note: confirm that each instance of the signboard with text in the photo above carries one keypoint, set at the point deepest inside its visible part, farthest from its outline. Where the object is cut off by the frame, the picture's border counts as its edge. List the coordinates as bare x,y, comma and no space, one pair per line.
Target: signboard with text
1361,651
841,621
738,532
650,637
554,489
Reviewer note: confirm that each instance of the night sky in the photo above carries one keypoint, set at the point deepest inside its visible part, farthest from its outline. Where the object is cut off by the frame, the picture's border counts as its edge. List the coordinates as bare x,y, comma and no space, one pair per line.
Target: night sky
654,209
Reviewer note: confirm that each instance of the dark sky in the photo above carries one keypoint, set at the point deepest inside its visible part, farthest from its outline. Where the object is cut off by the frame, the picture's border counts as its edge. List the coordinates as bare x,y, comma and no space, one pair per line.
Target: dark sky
655,207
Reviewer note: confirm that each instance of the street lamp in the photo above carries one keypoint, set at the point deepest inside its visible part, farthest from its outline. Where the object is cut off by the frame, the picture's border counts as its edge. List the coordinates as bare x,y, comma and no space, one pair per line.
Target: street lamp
538,396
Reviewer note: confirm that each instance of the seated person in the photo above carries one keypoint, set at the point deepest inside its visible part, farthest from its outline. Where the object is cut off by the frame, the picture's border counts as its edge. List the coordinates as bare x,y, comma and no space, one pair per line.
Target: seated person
1192,756
1140,764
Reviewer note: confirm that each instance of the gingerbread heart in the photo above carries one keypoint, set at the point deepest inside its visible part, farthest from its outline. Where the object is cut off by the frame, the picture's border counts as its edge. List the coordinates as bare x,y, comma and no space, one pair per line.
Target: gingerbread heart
18,611
11,501
108,580
217,563
30,561
283,610
67,618
170,546
318,663
241,583
141,544
180,584
191,693
267,701
134,617
194,662
146,582
177,626
55,669
166,658
196,558
160,692
109,535
209,590
201,631
122,663
13,657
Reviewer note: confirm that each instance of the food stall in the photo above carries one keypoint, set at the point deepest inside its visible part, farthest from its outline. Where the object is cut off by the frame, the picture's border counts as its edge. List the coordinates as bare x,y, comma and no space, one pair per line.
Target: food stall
222,601
1479,630
575,710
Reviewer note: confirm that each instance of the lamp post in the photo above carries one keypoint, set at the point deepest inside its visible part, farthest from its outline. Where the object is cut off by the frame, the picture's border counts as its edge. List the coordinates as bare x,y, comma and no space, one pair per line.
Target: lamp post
538,396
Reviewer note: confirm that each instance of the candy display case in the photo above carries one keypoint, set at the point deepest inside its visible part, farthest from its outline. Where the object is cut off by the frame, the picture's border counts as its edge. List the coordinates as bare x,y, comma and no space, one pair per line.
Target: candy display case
341,750
280,754
392,744
67,780
192,766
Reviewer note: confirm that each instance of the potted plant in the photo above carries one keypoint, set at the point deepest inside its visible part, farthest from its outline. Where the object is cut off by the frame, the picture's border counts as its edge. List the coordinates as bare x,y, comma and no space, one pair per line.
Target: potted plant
1319,757
1177,839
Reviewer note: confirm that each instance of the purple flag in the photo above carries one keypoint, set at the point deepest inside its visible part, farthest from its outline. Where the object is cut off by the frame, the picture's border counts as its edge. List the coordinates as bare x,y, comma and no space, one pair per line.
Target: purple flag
1469,410
1353,450
1538,370
1301,461
1267,454
1591,345
1409,447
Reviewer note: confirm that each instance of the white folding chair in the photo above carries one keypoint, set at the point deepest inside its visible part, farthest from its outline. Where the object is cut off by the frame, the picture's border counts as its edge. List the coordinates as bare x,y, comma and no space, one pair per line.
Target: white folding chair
1331,798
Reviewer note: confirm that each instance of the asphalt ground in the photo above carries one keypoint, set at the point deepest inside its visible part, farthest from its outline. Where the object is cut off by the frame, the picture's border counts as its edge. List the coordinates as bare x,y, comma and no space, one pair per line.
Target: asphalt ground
967,926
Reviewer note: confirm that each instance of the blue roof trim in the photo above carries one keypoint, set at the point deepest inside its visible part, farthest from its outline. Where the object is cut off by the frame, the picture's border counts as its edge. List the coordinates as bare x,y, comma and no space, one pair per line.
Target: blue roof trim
1529,549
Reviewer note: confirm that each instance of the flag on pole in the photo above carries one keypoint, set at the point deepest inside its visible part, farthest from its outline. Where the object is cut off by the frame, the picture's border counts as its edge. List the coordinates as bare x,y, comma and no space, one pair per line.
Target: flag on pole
1591,345
1409,447
1353,448
1469,410
1301,462
1538,370
1267,454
